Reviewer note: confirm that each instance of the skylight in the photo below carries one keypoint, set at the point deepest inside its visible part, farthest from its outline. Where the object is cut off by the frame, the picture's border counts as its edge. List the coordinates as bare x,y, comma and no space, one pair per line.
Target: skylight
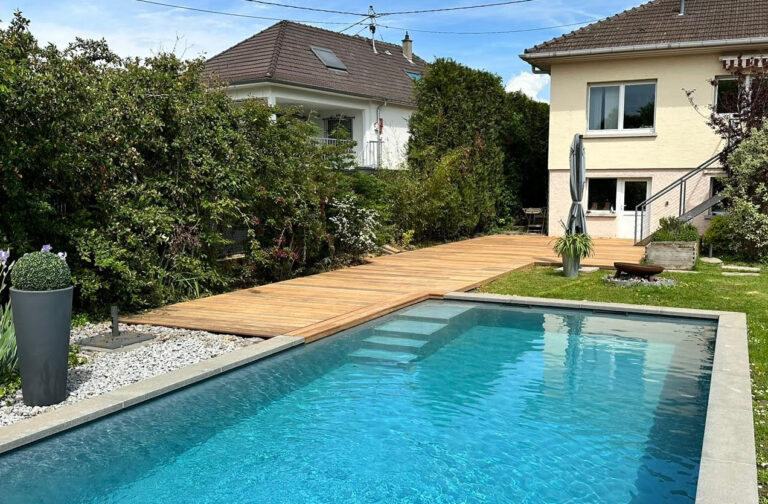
413,75
328,58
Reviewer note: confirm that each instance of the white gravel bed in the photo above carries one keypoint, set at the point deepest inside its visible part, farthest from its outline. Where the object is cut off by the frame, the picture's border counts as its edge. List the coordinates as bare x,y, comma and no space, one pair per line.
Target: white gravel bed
106,371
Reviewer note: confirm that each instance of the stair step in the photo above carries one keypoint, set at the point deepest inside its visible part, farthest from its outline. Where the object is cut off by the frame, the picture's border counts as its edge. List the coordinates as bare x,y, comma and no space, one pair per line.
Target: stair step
441,312
383,355
409,327
394,341
740,274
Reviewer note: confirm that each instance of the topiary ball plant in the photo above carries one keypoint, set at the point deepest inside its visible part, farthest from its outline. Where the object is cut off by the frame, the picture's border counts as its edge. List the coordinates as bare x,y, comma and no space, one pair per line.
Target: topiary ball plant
41,271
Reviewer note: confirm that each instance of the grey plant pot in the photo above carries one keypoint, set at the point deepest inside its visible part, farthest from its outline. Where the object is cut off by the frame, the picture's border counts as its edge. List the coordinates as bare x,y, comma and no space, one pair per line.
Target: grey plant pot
571,266
42,322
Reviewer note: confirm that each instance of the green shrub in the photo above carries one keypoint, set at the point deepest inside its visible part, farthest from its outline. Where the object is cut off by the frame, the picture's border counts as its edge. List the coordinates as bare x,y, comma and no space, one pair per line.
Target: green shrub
40,271
720,236
746,190
672,229
574,245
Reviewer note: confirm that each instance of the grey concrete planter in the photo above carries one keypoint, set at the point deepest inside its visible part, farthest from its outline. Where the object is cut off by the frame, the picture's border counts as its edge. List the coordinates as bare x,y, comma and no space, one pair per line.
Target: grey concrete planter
672,255
571,266
42,322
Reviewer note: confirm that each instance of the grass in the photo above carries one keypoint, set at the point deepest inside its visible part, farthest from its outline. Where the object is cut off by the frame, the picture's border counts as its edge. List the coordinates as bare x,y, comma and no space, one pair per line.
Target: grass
707,290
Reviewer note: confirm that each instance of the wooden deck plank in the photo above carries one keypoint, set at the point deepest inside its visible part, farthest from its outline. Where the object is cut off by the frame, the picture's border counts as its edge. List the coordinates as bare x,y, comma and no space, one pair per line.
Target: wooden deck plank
320,305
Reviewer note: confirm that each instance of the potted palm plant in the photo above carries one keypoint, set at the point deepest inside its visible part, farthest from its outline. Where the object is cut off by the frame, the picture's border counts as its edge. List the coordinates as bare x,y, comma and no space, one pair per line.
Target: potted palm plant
41,303
572,248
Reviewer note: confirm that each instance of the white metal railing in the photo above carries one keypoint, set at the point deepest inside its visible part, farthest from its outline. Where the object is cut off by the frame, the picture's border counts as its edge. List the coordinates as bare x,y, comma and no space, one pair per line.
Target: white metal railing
370,154
335,141
367,155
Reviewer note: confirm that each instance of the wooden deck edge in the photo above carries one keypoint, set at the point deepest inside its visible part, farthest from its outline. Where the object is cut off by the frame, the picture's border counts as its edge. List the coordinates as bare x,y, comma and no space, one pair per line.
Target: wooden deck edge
137,320
362,315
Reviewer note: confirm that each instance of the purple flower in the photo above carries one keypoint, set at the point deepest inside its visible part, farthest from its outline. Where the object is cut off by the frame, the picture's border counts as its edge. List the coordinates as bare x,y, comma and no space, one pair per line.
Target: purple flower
4,255
62,256
46,248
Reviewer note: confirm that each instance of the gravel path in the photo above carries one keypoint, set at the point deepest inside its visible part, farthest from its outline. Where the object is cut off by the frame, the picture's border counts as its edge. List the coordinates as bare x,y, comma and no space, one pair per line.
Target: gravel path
105,371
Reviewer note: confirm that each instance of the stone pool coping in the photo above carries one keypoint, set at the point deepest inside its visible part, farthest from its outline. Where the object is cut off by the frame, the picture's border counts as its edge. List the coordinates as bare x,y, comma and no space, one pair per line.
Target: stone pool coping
72,415
728,471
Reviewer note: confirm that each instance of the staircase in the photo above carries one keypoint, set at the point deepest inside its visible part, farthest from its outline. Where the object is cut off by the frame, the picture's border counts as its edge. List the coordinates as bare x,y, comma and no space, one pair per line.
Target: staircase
671,202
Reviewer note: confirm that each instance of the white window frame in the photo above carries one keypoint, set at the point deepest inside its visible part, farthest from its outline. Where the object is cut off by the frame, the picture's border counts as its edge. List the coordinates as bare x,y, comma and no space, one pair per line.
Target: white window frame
622,89
600,213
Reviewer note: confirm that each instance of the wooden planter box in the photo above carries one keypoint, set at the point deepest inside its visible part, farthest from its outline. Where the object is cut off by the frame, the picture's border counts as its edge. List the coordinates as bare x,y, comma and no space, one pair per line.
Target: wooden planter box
672,255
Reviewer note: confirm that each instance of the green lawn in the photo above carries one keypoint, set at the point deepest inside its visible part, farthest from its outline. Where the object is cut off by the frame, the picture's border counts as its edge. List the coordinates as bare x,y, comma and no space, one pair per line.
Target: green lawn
708,290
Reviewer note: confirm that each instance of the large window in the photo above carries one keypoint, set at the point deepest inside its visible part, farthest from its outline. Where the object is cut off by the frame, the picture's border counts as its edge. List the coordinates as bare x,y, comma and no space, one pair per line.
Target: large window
601,195
620,107
727,95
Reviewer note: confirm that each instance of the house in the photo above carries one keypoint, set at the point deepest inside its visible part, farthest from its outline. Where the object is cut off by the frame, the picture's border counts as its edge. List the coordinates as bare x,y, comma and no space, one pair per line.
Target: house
340,82
623,84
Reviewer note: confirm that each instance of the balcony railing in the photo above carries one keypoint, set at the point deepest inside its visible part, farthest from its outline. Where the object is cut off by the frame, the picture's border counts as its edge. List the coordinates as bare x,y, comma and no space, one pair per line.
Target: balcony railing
367,155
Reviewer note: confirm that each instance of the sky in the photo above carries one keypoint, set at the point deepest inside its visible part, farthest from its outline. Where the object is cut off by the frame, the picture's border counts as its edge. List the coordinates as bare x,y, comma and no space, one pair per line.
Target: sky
134,28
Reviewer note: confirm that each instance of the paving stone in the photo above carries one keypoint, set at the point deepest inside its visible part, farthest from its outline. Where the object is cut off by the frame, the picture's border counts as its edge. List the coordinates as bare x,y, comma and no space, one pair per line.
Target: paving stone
734,267
710,260
740,274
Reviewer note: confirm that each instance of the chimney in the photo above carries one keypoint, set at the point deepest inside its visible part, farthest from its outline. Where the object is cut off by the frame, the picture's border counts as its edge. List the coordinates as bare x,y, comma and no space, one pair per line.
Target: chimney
408,47
682,7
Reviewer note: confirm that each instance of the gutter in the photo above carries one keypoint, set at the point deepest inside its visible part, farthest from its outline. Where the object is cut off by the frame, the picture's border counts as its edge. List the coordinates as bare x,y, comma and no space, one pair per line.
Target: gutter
648,47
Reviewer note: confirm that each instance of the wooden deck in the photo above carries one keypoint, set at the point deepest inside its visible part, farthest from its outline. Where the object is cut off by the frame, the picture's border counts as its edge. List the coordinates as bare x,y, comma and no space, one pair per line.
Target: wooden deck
316,306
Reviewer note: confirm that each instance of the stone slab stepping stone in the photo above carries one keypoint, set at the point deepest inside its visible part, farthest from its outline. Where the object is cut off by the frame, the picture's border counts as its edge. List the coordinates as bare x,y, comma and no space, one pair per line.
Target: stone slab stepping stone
441,312
734,267
681,271
583,269
401,342
409,327
740,273
711,260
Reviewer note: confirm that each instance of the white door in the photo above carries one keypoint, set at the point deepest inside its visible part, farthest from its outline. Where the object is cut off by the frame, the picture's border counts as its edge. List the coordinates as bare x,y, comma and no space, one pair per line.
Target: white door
631,192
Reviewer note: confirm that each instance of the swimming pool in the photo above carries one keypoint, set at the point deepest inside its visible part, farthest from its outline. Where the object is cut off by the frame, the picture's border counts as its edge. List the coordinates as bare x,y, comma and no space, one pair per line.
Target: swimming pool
442,402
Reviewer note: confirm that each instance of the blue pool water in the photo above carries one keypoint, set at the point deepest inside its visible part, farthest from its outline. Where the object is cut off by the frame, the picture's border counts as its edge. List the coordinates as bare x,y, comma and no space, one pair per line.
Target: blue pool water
444,402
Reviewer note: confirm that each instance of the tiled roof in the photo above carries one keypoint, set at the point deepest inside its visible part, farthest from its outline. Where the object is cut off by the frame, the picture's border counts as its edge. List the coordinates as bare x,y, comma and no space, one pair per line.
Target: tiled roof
282,53
660,22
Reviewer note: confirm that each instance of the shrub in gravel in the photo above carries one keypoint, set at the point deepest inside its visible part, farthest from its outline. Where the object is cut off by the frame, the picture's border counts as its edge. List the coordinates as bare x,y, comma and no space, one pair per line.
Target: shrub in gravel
41,271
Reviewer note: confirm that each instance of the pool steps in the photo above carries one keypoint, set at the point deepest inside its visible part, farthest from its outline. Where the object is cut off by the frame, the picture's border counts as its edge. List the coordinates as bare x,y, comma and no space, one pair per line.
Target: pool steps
399,340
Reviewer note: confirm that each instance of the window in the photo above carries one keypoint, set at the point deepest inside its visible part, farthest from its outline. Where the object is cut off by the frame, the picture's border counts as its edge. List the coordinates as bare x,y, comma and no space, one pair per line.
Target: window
601,195
413,75
338,127
716,186
727,95
622,107
328,58
635,192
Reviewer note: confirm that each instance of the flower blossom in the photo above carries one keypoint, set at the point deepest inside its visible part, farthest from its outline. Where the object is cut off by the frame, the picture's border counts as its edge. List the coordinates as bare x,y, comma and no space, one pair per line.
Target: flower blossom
46,248
4,255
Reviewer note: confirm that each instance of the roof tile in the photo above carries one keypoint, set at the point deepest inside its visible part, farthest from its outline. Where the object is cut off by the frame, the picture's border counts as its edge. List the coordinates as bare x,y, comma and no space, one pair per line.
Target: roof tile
659,22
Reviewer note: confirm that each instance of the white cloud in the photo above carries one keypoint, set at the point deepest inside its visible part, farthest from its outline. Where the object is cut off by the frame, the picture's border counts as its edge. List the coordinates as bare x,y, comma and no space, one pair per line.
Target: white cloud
530,84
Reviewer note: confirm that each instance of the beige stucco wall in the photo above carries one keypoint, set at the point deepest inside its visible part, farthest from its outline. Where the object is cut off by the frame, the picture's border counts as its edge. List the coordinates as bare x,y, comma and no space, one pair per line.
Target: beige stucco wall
682,139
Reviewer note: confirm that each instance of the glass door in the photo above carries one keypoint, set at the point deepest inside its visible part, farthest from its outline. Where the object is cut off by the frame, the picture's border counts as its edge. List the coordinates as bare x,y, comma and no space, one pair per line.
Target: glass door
632,192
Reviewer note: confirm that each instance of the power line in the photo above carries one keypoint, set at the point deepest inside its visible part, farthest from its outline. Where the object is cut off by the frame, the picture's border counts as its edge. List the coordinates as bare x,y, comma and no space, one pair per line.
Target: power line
234,14
439,32
315,9
461,7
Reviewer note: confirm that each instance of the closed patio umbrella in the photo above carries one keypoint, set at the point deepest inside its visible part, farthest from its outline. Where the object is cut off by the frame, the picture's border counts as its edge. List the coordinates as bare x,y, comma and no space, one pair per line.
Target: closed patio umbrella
577,221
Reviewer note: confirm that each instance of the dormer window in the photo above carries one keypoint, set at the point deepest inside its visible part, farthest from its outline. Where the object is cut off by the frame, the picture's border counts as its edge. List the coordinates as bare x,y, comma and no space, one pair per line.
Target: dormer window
329,59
